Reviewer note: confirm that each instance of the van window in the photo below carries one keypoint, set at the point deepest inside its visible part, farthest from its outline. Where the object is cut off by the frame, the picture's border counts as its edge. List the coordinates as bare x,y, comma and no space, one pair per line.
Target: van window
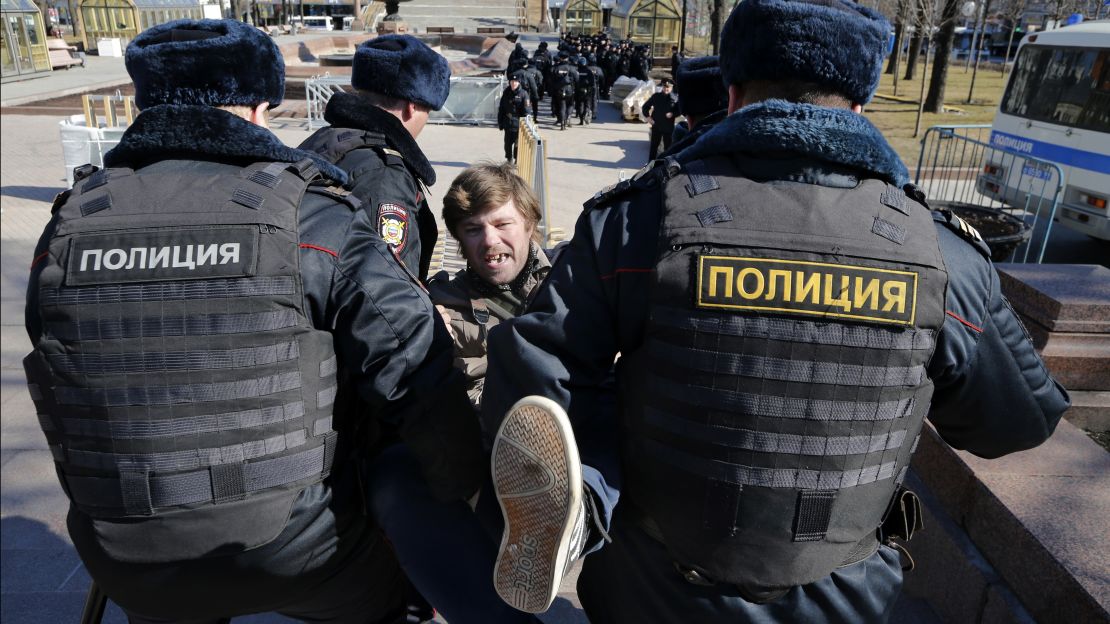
1069,86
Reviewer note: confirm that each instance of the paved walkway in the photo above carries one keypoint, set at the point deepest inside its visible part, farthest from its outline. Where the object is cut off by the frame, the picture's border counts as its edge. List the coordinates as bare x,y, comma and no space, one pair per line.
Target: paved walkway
41,578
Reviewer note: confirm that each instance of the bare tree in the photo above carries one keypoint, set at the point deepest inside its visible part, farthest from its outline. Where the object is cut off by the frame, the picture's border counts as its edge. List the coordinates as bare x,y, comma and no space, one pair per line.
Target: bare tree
717,17
915,39
981,28
927,19
934,102
1011,11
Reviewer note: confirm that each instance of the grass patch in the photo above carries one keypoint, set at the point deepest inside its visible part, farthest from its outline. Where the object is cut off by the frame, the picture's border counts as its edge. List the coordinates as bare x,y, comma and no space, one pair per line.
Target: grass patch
896,119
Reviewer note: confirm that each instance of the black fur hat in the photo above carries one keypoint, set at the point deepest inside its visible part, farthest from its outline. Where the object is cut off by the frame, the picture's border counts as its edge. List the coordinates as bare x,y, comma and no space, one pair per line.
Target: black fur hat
834,43
205,62
403,67
699,86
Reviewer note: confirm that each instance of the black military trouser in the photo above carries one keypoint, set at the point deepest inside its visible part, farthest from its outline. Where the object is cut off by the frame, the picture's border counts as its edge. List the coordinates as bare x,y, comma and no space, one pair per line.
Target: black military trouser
584,107
659,132
560,106
510,144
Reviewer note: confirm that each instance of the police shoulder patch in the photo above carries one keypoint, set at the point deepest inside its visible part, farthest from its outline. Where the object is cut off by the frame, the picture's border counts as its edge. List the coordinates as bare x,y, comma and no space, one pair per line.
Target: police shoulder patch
393,224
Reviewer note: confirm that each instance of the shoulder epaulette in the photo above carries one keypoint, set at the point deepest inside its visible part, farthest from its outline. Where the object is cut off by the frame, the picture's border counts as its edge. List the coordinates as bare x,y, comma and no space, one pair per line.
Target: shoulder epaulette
963,229
641,179
338,193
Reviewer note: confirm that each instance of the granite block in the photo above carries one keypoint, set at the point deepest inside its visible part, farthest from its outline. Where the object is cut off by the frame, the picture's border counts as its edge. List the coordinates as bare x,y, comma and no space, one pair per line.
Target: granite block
1089,410
1045,543
949,573
1067,453
1078,361
1060,297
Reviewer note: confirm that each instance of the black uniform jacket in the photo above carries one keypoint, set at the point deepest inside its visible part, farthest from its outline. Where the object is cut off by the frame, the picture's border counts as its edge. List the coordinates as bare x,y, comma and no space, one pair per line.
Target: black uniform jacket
390,182
658,106
513,106
394,353
993,394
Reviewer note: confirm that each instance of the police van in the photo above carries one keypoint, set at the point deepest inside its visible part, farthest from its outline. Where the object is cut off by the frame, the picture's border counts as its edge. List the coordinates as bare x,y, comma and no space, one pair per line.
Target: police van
313,22
1056,108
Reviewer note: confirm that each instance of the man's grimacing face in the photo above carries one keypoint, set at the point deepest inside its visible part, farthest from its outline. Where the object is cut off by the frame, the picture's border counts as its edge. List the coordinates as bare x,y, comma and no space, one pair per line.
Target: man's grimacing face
495,242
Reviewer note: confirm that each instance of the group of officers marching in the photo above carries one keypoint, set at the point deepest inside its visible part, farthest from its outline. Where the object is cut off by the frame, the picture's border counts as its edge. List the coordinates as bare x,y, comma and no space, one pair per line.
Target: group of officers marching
576,75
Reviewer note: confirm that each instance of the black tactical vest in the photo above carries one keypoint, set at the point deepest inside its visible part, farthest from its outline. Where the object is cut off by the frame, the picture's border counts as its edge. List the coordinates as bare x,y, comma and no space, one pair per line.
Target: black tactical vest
178,379
780,390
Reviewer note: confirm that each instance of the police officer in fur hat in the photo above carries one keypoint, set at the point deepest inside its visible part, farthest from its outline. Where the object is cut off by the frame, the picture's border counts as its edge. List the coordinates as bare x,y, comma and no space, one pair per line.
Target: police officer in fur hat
702,100
220,335
397,81
661,109
787,311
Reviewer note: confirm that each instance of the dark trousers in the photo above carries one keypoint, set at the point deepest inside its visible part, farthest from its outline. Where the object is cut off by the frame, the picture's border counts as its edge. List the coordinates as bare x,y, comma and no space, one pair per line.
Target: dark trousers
561,108
446,549
633,579
659,132
510,144
584,107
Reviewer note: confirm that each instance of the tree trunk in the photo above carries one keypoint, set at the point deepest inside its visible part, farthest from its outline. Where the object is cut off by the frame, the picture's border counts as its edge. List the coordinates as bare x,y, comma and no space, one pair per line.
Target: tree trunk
1006,55
915,44
717,17
921,96
934,103
892,65
982,26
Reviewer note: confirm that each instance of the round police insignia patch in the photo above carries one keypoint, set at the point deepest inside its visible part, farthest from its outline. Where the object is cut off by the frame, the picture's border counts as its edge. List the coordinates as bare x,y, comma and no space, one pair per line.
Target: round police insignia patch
393,224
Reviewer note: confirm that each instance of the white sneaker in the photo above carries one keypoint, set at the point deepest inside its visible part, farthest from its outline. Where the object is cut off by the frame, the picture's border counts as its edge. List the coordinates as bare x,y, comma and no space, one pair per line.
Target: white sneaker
537,476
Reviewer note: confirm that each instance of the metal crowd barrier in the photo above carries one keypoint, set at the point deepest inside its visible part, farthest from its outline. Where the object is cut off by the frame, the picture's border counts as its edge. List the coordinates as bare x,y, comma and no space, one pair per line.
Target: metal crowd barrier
961,170
531,165
473,100
318,90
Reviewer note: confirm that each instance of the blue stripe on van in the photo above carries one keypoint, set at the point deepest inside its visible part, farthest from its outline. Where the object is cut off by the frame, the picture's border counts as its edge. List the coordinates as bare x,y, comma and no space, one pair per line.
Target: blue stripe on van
1054,153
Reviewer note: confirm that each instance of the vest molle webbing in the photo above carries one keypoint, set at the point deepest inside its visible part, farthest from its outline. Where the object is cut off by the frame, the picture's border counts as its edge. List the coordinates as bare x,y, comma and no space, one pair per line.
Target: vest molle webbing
176,367
780,389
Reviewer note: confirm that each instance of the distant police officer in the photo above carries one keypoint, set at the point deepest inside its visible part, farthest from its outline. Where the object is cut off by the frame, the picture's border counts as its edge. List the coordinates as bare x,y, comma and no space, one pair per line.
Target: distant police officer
702,100
564,81
661,109
515,103
536,93
585,93
219,335
787,312
599,81
397,81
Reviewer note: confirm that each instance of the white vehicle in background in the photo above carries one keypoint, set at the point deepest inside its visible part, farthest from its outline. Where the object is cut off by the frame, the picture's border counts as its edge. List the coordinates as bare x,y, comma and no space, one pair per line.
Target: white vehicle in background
1056,108
313,22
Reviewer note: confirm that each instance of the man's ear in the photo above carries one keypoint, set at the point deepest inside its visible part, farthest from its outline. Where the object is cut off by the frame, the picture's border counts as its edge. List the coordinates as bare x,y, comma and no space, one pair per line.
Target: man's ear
258,115
735,98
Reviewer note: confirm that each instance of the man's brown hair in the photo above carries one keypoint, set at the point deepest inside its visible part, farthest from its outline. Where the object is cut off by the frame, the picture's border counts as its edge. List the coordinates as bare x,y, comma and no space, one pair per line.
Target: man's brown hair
486,186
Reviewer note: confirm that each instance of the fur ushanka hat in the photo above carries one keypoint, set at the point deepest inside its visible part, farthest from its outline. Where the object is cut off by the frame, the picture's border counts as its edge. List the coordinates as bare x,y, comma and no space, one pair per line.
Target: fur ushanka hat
699,86
834,43
205,62
403,67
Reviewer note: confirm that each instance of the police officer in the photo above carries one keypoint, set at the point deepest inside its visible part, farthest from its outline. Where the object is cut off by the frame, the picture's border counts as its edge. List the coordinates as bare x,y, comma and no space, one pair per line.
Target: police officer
219,336
787,312
564,81
661,109
702,100
397,81
537,80
515,103
599,81
543,61
518,59
585,93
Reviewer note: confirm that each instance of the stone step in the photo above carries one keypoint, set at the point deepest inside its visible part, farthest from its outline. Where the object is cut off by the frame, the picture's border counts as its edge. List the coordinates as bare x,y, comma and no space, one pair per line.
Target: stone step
1089,410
